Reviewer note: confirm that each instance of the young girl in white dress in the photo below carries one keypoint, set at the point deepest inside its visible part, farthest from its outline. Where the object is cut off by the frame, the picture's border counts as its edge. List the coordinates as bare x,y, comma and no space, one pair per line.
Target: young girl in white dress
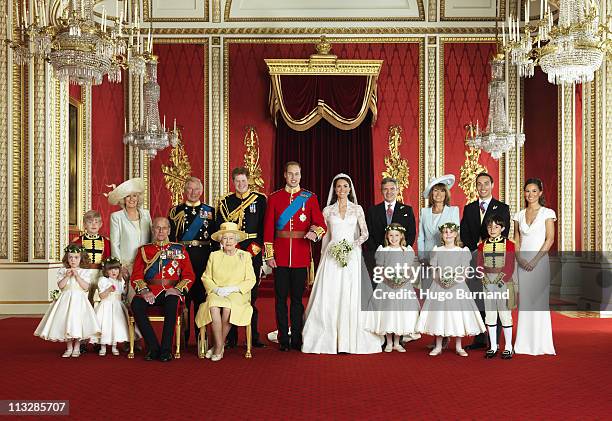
71,317
455,315
111,312
394,316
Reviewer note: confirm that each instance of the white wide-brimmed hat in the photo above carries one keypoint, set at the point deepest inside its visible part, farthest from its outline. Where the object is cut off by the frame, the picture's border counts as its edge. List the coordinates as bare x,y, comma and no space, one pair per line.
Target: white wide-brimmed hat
131,186
229,227
448,179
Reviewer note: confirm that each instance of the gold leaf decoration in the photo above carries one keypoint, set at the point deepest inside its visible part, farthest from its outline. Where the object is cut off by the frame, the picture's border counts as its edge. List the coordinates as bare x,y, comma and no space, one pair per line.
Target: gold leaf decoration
396,166
251,159
177,172
470,168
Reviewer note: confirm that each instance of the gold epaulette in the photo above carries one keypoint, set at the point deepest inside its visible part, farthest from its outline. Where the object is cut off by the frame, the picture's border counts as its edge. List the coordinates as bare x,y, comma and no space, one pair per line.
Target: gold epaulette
268,251
319,231
182,285
140,285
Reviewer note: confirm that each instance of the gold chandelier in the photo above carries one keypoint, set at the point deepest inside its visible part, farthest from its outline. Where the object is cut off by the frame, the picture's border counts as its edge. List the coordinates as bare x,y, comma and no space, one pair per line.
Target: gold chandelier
569,52
80,50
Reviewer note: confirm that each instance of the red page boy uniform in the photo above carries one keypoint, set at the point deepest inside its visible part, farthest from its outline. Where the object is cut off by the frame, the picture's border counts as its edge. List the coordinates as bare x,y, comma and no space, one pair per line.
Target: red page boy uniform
159,267
290,215
496,258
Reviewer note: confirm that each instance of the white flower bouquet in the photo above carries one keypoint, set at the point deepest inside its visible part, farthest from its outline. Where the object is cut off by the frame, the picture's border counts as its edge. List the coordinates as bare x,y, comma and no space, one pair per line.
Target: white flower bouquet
340,251
54,294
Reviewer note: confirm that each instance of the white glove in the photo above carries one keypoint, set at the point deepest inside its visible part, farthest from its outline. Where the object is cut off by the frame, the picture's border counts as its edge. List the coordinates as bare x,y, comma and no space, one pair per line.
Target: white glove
221,292
232,289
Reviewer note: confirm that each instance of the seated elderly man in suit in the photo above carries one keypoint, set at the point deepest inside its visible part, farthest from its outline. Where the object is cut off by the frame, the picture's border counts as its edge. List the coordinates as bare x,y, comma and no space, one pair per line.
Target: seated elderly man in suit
161,276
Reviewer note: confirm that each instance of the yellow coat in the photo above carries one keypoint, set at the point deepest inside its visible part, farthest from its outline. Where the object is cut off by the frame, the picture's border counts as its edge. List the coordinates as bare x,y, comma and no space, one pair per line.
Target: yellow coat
223,270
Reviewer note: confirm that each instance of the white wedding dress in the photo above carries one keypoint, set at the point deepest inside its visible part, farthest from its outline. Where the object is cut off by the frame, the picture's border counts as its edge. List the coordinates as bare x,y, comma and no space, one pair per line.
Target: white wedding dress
334,319
534,329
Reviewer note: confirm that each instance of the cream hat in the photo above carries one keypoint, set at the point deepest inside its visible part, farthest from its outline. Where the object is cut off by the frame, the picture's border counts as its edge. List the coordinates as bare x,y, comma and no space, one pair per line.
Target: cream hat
447,179
133,185
229,227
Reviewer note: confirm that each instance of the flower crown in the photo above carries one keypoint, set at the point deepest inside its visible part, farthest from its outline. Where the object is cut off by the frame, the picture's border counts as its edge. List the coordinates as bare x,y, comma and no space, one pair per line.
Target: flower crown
74,248
111,261
449,225
395,228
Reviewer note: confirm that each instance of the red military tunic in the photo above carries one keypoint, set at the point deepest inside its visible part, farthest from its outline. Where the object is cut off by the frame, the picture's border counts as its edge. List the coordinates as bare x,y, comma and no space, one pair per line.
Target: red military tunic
496,255
162,265
97,247
288,246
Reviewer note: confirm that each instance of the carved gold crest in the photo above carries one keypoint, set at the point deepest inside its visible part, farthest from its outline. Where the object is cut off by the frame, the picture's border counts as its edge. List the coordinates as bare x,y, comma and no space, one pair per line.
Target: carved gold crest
396,166
177,172
470,168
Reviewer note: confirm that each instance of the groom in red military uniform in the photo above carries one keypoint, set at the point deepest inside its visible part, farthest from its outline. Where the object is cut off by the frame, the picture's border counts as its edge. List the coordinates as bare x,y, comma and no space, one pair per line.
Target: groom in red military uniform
293,219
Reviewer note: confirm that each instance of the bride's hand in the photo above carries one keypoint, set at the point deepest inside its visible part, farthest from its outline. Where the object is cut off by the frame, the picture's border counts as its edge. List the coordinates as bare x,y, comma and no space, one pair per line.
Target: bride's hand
311,236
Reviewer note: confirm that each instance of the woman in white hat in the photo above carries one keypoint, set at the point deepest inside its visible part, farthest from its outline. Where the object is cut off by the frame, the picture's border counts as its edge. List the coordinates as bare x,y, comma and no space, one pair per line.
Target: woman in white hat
228,279
130,227
438,212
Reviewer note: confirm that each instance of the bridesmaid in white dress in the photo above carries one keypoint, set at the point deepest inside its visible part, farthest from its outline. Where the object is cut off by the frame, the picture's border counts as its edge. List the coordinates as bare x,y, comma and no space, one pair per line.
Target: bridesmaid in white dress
334,320
534,233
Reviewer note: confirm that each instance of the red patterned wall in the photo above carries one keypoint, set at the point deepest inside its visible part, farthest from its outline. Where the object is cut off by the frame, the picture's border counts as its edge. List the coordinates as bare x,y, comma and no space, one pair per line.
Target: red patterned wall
398,101
541,135
181,74
74,91
466,77
107,109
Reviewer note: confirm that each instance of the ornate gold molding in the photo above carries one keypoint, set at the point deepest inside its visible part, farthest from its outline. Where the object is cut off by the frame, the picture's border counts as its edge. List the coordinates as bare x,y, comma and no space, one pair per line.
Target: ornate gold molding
397,167
228,7
589,189
566,165
339,30
39,176
4,140
86,151
146,15
431,140
470,168
219,170
432,12
177,172
251,159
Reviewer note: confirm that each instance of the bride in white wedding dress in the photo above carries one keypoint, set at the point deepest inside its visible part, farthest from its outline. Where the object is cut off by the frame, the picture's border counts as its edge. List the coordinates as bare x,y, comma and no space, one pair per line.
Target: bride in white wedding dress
334,319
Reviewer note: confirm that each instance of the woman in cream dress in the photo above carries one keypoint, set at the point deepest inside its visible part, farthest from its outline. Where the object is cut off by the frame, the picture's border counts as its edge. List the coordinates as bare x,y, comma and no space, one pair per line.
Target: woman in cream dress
534,233
228,280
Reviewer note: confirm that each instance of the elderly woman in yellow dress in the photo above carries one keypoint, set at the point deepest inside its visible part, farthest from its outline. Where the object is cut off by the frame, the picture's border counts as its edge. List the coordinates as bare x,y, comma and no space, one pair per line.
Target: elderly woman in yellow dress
228,279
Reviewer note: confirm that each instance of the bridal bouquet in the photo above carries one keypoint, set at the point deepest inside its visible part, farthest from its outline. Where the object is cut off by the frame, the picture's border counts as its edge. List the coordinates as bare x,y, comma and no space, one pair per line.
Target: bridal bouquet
340,251
54,295
447,280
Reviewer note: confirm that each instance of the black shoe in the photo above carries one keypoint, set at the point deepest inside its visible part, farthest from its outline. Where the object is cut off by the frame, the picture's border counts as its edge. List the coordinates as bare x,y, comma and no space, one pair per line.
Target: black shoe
151,355
491,353
284,348
258,344
296,347
83,349
97,347
165,357
507,355
476,345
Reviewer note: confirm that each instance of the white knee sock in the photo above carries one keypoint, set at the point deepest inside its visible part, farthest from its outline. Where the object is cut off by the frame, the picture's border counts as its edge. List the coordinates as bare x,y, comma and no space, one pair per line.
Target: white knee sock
508,338
493,336
396,340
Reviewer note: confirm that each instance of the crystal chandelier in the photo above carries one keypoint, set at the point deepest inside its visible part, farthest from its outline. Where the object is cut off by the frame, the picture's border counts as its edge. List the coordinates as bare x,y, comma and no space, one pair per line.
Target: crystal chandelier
497,138
569,52
150,135
80,50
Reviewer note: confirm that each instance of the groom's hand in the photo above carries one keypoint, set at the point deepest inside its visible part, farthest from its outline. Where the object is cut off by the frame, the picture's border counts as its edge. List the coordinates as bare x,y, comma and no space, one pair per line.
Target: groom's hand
272,263
311,236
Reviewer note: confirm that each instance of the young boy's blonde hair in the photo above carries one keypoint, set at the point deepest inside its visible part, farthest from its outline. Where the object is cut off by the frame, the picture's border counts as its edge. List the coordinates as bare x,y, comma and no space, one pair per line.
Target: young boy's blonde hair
91,214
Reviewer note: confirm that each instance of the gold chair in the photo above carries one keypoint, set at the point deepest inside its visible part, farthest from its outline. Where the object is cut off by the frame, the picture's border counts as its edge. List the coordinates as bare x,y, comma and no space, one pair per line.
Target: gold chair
154,315
203,342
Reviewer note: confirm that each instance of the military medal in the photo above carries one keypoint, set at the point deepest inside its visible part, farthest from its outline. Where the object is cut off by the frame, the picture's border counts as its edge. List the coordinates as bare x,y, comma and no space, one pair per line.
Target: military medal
205,223
163,255
202,214
252,208
303,217
205,235
193,211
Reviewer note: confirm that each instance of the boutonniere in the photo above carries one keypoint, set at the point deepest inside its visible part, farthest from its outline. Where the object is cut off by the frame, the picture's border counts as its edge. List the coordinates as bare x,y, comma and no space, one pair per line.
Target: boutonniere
494,207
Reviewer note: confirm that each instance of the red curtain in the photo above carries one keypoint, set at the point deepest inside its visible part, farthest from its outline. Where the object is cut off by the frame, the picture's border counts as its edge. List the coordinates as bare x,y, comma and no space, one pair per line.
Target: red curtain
344,94
324,151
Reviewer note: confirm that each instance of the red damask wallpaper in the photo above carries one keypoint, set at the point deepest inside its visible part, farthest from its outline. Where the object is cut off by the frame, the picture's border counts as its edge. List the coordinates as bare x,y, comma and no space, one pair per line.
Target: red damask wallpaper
398,101
181,74
466,77
107,108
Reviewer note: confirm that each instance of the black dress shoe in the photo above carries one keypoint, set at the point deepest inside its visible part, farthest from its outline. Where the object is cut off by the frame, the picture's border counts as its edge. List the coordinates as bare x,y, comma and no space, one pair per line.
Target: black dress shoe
507,355
83,349
151,355
491,353
296,347
284,348
165,357
476,345
258,344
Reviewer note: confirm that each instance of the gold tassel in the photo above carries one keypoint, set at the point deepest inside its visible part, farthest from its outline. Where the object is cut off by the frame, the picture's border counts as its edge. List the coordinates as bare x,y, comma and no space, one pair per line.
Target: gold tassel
311,272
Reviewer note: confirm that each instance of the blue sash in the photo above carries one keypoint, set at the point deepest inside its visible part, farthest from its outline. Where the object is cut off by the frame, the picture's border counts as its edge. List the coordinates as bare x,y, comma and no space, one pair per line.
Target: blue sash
154,269
292,209
195,226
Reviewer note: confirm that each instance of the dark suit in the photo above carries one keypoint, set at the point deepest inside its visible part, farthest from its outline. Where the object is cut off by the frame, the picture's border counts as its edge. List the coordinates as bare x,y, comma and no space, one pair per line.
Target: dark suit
376,219
472,231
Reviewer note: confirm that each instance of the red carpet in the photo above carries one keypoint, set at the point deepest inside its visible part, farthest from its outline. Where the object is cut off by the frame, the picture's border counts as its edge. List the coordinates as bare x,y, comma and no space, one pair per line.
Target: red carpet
275,385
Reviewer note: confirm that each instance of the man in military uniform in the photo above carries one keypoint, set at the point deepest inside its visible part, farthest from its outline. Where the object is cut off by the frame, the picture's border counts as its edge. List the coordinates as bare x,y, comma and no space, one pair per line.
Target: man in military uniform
293,220
191,224
245,208
161,276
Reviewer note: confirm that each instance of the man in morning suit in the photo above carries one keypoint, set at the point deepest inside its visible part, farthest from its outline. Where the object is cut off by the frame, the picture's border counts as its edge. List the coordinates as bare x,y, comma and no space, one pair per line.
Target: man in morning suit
293,220
191,224
473,230
161,276
246,209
